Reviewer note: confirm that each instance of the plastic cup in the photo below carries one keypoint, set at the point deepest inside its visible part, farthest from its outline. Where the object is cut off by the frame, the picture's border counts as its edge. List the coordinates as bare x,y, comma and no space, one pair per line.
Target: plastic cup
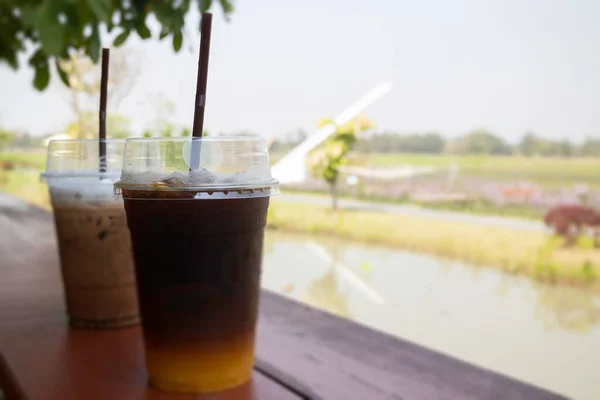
197,210
93,239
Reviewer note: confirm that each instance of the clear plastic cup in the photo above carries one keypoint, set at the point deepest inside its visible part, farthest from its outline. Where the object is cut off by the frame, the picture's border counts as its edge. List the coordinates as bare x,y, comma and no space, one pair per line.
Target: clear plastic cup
93,238
197,210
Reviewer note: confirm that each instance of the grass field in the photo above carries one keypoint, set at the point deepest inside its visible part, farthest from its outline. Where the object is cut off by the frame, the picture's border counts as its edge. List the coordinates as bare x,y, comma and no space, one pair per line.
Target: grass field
544,170
533,254
24,180
475,206
26,185
34,160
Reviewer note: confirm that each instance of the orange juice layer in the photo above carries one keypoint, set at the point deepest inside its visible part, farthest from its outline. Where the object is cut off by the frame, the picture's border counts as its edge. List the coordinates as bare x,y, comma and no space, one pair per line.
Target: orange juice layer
200,368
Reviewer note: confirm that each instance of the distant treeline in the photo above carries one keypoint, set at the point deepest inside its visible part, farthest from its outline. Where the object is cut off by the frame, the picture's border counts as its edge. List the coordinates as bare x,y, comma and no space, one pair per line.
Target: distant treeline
476,142
19,140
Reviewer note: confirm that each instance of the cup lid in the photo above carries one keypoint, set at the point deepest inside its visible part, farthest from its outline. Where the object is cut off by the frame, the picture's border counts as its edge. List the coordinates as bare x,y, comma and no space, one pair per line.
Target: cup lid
207,164
78,158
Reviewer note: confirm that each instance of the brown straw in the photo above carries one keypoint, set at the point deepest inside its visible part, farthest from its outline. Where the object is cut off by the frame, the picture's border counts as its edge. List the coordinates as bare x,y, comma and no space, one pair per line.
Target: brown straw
102,131
201,88
202,74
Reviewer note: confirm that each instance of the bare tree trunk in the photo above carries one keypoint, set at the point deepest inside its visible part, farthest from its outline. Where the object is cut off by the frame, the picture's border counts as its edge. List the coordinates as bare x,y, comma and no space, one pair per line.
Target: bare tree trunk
78,113
85,85
334,195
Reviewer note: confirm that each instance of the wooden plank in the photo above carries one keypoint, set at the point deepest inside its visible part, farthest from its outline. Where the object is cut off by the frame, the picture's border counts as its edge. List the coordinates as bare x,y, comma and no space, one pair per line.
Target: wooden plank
307,350
28,261
8,383
337,358
40,357
51,361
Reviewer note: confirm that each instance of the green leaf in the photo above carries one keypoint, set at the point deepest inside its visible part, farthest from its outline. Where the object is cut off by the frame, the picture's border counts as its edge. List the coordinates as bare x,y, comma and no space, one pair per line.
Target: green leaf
226,6
100,8
163,13
94,46
204,5
62,73
177,41
121,38
42,77
163,34
11,59
38,57
51,36
143,30
29,16
42,20
84,14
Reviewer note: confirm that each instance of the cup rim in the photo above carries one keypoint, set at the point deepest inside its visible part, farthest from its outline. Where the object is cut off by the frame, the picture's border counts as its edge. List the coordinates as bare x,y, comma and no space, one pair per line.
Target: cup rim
115,140
71,174
209,187
234,138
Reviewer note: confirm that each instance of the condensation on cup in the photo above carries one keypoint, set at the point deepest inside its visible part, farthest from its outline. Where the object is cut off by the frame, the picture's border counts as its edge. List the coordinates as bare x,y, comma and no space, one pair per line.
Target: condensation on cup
93,238
197,210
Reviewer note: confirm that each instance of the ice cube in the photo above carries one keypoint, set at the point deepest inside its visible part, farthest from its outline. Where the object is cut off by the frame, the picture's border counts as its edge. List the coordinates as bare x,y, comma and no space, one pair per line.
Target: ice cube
202,176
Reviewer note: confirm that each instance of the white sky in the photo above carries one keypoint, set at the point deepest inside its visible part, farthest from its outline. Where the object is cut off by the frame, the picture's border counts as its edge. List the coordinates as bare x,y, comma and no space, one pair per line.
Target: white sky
505,65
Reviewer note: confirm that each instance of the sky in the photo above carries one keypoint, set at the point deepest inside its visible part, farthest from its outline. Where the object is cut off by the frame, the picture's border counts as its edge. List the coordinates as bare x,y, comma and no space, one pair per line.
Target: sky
509,66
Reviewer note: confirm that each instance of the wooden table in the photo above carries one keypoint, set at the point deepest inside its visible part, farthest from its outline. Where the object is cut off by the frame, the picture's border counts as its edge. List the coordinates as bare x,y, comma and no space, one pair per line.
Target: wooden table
302,353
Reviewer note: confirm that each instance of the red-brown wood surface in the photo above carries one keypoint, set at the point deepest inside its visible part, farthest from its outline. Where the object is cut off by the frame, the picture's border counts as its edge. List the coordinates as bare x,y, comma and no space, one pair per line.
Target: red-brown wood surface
50,361
314,353
41,358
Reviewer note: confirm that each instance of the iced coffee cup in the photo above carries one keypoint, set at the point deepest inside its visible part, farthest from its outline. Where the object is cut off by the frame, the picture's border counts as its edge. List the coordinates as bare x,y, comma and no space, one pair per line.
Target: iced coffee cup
93,238
197,209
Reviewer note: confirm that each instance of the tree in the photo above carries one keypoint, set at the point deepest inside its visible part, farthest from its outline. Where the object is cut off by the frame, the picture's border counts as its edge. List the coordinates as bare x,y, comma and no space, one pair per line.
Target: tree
162,108
532,144
326,160
391,142
59,28
480,141
186,132
117,126
590,147
6,138
566,148
84,88
529,144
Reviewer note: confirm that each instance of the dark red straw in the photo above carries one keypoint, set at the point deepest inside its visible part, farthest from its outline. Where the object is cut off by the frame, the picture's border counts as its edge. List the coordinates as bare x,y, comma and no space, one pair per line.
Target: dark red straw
201,89
202,74
103,90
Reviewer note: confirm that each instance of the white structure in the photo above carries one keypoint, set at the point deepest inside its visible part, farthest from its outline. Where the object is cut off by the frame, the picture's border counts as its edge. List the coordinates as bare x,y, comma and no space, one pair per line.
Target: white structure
292,167
347,274
393,173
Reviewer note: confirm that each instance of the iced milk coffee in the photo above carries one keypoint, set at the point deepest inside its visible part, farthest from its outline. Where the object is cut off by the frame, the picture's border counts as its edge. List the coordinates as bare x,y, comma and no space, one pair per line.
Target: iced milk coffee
92,234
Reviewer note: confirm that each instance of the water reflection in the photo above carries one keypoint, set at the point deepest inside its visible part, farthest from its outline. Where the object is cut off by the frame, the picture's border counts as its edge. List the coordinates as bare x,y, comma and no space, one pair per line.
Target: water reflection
547,335
324,292
567,308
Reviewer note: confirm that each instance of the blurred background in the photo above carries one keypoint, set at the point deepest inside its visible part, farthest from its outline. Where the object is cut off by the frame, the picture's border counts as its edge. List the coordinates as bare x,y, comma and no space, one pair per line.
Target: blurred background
440,161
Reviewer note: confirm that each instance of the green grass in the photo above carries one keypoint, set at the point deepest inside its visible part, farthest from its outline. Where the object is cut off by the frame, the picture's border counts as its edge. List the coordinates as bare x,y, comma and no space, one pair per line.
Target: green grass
35,160
531,254
483,207
544,170
25,185
475,206
519,252
24,180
